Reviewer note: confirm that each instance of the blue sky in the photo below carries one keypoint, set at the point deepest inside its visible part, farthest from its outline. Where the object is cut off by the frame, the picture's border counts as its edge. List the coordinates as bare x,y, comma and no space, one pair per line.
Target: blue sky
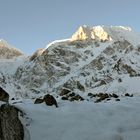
32,24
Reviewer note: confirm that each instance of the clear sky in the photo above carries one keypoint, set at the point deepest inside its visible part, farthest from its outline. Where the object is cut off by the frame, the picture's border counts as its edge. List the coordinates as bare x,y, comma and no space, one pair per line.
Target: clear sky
32,24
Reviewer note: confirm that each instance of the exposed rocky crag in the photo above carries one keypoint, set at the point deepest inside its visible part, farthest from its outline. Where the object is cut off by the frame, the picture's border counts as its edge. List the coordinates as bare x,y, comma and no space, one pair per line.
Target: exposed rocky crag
11,127
4,96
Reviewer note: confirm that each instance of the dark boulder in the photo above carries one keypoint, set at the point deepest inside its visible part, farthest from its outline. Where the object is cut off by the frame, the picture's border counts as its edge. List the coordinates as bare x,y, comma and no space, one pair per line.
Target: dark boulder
4,96
38,101
11,127
115,95
119,80
64,98
50,100
128,95
117,99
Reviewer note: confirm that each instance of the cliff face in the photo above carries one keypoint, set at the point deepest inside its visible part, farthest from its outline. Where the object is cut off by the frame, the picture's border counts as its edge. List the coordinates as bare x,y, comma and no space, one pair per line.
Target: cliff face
11,127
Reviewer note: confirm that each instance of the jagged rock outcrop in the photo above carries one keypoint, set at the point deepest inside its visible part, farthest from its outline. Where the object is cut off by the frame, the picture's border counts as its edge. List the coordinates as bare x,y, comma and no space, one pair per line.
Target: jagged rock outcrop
36,54
11,127
48,99
87,33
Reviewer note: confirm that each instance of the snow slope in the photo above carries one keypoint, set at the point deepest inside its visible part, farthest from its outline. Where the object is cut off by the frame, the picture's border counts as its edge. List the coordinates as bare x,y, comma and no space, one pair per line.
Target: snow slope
84,120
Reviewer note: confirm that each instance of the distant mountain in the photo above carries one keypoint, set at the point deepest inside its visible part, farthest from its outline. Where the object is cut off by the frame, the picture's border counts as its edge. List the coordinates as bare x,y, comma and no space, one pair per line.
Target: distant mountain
7,51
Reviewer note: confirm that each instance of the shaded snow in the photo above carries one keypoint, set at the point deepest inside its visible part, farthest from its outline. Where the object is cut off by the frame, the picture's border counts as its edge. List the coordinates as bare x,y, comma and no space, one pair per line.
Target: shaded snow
85,120
9,66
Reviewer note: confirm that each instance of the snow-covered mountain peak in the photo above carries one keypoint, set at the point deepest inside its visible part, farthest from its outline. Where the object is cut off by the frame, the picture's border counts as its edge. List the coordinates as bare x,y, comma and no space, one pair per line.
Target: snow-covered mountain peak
103,33
3,43
7,51
82,33
88,33
98,32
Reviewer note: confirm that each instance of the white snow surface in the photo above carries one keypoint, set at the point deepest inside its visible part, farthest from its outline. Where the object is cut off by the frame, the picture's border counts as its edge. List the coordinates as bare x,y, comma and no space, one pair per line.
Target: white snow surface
84,120
56,43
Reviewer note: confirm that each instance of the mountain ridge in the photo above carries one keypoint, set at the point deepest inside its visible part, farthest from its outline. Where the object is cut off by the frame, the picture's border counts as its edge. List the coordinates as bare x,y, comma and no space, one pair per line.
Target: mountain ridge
7,51
64,63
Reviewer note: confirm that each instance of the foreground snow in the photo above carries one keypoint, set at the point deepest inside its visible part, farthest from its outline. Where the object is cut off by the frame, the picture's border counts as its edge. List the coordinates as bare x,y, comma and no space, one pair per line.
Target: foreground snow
84,120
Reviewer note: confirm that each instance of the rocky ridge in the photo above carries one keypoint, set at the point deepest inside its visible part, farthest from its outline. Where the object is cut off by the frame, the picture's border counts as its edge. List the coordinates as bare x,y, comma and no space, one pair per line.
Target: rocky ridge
95,59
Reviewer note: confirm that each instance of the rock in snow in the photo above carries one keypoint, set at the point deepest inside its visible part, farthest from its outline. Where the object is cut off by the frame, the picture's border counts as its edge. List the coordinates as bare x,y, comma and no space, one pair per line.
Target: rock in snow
48,99
4,96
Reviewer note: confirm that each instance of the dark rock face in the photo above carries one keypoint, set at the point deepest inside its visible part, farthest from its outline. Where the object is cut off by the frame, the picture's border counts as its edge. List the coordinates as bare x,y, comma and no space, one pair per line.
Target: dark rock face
80,86
64,92
77,98
50,100
4,96
36,54
10,125
129,70
71,96
103,96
